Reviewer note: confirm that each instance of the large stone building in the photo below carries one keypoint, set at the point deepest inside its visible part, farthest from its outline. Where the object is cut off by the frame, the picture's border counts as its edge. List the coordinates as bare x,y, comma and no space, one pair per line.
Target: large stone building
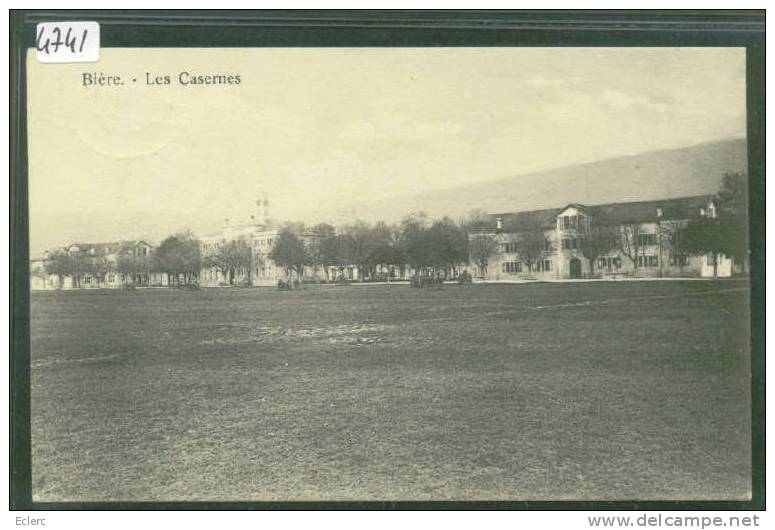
257,236
647,239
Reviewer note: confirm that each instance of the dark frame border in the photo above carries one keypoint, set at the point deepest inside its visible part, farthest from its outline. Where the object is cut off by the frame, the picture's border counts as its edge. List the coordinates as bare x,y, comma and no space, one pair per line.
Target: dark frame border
396,28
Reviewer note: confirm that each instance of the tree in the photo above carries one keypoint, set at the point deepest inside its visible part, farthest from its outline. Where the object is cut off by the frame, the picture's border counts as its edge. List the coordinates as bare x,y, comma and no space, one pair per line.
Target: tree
481,248
414,244
382,247
179,256
230,257
127,266
532,242
59,264
629,241
705,237
598,240
447,245
99,267
672,236
359,244
290,253
726,233
732,201
320,248
329,252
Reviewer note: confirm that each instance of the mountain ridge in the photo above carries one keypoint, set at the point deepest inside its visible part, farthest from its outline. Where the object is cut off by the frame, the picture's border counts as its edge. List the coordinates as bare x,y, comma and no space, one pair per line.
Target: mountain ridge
653,175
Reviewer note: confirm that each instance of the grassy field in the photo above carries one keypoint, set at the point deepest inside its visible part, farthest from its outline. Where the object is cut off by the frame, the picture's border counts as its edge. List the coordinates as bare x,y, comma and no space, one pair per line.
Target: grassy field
631,390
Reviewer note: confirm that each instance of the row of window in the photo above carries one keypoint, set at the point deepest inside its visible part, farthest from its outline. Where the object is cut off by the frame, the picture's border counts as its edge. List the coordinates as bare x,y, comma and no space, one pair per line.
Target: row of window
512,247
608,262
647,239
571,243
570,221
514,267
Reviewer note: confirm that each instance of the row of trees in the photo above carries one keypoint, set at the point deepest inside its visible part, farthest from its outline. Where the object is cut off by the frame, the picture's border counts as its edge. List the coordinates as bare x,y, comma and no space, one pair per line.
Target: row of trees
428,247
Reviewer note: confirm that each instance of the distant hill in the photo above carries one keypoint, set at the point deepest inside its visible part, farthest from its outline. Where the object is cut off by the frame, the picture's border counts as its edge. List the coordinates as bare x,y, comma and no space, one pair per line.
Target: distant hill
694,170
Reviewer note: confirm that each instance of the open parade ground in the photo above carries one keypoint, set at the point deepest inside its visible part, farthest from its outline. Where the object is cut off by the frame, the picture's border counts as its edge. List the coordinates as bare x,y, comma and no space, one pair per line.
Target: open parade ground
621,390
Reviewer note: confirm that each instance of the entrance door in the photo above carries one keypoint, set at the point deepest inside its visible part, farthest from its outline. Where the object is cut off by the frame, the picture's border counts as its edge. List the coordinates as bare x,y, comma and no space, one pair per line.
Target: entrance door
575,268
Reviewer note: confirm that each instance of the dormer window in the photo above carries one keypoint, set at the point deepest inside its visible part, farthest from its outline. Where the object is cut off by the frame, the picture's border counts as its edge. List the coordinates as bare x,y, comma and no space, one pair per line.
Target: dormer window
659,213
499,223
711,211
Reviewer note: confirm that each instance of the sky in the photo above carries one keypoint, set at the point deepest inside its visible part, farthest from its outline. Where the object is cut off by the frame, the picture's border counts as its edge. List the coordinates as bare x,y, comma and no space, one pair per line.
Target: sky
323,130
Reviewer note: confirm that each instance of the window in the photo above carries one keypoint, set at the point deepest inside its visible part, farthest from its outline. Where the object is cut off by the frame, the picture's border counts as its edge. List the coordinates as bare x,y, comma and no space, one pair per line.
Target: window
569,243
547,245
510,247
512,267
648,261
498,223
679,260
566,222
610,263
543,265
645,240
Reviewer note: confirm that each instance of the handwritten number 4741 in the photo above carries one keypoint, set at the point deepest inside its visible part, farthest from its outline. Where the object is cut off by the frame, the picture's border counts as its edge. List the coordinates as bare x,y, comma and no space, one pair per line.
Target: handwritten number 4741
49,46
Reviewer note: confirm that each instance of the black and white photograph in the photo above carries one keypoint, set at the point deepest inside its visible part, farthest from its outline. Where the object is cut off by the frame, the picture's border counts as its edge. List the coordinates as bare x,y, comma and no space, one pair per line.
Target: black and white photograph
353,274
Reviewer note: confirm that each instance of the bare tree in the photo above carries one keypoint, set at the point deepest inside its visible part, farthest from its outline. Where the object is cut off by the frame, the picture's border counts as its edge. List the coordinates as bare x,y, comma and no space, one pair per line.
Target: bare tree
290,252
531,244
482,247
99,268
531,241
672,236
59,264
629,241
230,257
597,241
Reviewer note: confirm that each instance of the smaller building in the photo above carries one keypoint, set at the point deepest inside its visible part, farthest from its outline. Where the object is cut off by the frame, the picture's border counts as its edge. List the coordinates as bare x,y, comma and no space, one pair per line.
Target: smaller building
96,265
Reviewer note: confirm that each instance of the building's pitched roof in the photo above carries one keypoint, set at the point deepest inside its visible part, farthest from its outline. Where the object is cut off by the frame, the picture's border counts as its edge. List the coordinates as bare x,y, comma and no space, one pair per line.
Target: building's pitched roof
609,214
544,218
646,211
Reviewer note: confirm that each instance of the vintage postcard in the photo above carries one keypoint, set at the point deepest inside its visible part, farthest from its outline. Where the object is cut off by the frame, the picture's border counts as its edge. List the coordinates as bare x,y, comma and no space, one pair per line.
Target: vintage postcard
389,274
